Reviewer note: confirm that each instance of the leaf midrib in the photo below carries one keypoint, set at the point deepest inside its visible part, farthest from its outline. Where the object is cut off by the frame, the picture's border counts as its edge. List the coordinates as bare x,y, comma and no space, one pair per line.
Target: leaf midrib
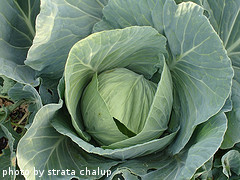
26,18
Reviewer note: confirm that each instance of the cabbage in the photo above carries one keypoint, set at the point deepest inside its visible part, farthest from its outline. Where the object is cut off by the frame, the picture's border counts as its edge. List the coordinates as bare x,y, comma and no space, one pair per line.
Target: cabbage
144,91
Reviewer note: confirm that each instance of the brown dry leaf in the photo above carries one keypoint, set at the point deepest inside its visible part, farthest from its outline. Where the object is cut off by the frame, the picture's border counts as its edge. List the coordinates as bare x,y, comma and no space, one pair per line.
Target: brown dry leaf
5,102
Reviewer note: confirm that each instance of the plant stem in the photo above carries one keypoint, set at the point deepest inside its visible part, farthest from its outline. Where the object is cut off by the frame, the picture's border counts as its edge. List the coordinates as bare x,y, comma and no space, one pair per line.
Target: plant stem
21,120
17,125
5,97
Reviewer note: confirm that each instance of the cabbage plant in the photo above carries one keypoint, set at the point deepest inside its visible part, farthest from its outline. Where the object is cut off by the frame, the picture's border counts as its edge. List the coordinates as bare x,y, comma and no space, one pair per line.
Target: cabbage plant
144,96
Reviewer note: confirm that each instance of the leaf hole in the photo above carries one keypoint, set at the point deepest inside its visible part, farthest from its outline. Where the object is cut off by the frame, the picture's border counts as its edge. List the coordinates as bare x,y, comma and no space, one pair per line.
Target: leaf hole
206,13
50,91
151,170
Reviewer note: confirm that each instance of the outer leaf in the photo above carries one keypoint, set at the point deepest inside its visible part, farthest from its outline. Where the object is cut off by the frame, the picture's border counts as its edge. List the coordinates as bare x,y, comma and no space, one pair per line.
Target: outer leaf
218,174
201,70
17,31
121,14
157,15
45,149
6,85
231,162
204,144
48,91
226,14
130,14
139,49
232,135
225,18
205,171
60,24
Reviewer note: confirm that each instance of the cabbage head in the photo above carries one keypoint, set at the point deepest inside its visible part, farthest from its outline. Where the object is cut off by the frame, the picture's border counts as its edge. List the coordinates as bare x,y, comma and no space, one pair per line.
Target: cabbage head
144,96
